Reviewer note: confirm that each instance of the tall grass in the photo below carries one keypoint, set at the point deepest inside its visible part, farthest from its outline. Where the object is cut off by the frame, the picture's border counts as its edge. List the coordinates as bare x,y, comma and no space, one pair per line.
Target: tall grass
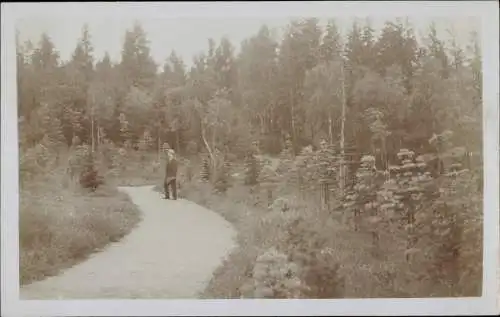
61,224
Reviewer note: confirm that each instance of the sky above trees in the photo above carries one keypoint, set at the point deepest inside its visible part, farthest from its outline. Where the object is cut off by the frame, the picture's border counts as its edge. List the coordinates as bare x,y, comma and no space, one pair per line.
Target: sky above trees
376,98
189,36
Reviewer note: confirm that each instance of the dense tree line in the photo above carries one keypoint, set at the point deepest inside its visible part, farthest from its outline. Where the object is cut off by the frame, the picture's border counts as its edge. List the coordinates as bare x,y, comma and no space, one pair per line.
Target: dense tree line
393,121
397,92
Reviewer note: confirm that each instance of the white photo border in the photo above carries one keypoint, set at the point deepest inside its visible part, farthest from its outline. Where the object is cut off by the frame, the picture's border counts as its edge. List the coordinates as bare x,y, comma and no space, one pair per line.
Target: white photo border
487,11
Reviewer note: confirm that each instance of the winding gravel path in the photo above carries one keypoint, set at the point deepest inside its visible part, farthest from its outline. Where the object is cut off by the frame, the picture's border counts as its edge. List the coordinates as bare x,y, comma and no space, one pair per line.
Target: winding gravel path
171,254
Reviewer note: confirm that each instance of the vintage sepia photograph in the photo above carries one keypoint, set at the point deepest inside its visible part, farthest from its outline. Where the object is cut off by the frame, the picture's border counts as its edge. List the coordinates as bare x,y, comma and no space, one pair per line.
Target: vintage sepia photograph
290,157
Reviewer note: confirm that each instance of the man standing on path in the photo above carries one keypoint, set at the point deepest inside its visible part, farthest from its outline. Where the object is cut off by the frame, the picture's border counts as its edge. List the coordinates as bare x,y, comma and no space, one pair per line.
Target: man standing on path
171,175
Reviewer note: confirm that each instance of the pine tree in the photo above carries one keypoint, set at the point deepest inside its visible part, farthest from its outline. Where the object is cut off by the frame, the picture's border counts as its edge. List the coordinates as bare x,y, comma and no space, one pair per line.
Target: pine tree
51,130
327,159
453,226
366,204
205,169
274,276
125,132
403,196
331,44
349,196
89,177
73,119
257,72
268,180
222,182
252,169
146,141
298,53
54,134
144,145
286,157
437,50
137,65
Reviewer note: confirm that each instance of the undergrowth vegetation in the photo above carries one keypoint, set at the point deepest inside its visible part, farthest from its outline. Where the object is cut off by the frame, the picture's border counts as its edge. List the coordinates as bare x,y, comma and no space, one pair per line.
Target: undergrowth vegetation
350,162
59,228
66,213
417,236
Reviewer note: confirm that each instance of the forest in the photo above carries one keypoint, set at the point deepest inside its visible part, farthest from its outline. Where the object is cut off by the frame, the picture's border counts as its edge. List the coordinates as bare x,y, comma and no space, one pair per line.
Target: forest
350,165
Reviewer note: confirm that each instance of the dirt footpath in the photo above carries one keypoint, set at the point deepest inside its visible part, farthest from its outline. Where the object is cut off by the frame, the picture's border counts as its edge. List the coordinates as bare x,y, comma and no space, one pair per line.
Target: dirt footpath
171,254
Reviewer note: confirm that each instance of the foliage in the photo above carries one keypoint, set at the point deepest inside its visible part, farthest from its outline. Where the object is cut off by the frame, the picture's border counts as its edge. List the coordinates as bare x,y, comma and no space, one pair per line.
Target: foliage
77,160
205,170
110,119
274,276
89,177
363,201
455,227
309,249
401,213
395,89
223,181
33,162
252,169
268,179
59,227
405,195
326,163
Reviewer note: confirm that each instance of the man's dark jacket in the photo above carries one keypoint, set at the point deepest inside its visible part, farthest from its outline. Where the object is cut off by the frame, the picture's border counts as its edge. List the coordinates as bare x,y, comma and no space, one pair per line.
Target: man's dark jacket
171,169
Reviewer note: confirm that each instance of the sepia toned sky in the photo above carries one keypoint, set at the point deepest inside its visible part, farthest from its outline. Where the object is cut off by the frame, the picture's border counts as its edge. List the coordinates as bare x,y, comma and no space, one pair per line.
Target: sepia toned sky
188,36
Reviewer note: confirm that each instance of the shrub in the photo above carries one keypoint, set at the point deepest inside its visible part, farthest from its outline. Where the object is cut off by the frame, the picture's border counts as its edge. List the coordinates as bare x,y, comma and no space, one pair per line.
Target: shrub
274,276
109,155
33,161
222,182
59,227
453,234
268,180
77,160
252,170
427,241
205,169
286,158
89,177
361,201
308,247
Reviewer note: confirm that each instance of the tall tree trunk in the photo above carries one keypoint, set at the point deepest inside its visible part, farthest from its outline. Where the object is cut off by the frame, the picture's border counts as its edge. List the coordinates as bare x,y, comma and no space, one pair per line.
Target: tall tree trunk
207,146
384,151
214,147
159,144
313,134
98,135
292,103
177,140
330,127
92,132
92,116
262,123
342,132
